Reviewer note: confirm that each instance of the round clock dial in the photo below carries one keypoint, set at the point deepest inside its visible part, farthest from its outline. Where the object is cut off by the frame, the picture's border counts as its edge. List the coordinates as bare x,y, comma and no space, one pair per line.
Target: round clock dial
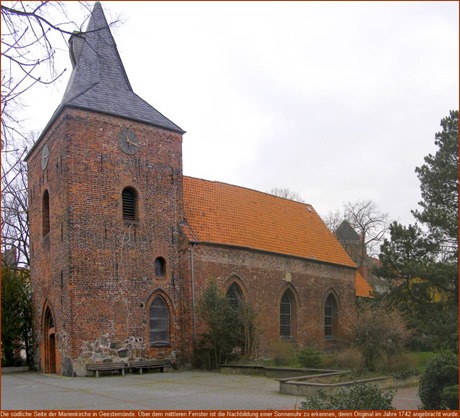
45,156
128,141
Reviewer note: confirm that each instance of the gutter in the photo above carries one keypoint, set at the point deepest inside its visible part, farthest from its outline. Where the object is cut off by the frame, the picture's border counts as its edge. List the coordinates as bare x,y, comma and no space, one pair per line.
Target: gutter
192,268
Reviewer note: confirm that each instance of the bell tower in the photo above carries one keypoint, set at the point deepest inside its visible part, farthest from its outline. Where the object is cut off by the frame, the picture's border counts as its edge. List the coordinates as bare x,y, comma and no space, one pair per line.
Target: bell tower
105,199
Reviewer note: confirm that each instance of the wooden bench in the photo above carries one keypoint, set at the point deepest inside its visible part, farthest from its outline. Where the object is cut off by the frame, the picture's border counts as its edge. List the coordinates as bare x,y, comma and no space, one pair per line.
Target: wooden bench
149,364
106,367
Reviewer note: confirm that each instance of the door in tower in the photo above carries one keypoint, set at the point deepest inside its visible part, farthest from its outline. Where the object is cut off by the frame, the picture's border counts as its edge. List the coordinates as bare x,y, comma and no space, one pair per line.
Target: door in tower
50,342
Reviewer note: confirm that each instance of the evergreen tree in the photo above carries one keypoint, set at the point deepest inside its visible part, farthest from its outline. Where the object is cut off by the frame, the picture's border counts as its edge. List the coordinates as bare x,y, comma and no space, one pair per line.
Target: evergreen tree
422,259
439,187
16,316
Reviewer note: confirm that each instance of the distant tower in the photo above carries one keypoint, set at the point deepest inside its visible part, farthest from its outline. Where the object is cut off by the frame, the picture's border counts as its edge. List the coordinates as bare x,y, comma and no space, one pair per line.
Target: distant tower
350,241
105,190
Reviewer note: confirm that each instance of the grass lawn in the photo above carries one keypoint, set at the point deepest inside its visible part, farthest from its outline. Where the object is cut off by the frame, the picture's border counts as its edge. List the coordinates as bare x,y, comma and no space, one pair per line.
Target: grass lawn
418,359
409,361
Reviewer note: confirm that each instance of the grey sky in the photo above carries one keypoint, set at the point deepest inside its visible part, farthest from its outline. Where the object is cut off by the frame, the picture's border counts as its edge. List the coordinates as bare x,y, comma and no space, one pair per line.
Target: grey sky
337,101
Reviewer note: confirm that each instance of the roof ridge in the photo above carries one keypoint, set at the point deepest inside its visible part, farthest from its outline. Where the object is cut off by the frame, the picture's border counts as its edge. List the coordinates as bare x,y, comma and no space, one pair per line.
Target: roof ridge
220,212
252,190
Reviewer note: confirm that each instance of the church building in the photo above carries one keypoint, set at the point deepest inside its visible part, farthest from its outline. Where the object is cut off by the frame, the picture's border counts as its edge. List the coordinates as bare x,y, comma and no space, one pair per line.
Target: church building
123,244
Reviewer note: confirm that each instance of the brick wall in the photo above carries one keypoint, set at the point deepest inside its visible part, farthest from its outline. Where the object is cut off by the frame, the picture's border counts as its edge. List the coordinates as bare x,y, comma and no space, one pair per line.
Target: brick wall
94,270
264,277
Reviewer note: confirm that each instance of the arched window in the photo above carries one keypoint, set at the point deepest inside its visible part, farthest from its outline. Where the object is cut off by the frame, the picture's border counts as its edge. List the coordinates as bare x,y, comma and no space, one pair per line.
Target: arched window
234,295
160,266
129,198
46,213
49,321
330,317
159,322
287,314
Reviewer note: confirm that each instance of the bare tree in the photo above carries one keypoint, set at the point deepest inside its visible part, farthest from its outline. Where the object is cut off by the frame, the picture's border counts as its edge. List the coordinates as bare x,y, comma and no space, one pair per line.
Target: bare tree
370,223
286,193
29,43
333,220
15,221
32,34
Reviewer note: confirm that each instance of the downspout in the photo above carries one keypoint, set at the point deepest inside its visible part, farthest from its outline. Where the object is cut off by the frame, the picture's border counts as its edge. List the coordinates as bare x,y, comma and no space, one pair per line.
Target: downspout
193,294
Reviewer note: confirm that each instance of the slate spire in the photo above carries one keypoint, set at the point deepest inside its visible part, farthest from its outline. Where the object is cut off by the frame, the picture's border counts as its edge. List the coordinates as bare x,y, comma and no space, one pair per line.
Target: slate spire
99,81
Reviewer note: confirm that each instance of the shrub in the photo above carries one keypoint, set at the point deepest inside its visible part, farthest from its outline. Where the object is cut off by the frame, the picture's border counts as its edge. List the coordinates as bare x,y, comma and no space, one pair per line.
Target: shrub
404,374
441,373
230,332
449,397
350,359
399,363
283,353
223,329
378,332
359,397
309,357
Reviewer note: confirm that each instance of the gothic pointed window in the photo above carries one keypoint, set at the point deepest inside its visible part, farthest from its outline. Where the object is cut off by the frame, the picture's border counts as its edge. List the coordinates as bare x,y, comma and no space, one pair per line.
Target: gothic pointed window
129,200
287,314
234,295
330,317
159,322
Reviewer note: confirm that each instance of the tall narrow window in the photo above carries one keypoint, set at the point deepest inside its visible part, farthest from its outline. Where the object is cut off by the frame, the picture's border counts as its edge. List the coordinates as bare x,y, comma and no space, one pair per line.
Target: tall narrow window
330,317
129,198
286,314
160,266
159,322
234,295
46,213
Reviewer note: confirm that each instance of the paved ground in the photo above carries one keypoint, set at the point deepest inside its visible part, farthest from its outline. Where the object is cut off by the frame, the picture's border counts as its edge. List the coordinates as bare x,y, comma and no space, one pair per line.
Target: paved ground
155,391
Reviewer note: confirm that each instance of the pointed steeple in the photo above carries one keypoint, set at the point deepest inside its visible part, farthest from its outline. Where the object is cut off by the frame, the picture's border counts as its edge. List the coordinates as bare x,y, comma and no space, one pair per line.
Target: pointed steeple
99,82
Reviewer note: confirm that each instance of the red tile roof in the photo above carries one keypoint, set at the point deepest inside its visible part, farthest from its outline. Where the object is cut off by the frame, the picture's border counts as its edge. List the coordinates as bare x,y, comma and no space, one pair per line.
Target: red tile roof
221,213
363,288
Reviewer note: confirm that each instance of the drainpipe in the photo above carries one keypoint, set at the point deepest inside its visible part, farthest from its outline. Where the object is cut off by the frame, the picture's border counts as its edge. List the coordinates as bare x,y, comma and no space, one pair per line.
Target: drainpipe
193,294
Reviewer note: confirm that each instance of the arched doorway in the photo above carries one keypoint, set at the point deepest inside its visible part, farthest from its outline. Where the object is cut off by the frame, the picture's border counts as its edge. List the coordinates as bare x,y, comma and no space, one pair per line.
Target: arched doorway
49,335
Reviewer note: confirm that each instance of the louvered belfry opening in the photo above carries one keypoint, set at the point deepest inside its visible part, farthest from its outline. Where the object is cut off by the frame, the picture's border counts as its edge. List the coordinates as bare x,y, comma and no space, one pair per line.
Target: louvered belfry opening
129,197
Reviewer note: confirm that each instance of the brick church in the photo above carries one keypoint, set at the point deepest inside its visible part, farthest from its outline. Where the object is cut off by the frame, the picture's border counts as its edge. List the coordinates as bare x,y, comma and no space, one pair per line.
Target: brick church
123,244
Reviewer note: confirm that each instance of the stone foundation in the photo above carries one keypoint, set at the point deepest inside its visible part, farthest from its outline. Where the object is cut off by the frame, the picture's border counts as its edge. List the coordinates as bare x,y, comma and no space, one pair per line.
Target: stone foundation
104,350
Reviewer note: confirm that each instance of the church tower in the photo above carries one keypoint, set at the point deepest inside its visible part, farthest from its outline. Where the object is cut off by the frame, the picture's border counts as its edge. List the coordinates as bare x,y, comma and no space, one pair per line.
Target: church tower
105,198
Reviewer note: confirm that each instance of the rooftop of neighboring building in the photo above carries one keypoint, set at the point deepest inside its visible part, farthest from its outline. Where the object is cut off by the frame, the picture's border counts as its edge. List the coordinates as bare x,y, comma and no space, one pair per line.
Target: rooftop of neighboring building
346,233
363,288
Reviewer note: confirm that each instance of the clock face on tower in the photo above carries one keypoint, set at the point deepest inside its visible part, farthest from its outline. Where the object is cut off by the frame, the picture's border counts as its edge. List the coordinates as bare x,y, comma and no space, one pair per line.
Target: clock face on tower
45,156
128,141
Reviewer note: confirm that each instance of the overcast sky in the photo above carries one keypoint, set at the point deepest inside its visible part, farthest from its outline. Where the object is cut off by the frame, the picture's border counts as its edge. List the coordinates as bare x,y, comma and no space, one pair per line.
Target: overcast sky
338,101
